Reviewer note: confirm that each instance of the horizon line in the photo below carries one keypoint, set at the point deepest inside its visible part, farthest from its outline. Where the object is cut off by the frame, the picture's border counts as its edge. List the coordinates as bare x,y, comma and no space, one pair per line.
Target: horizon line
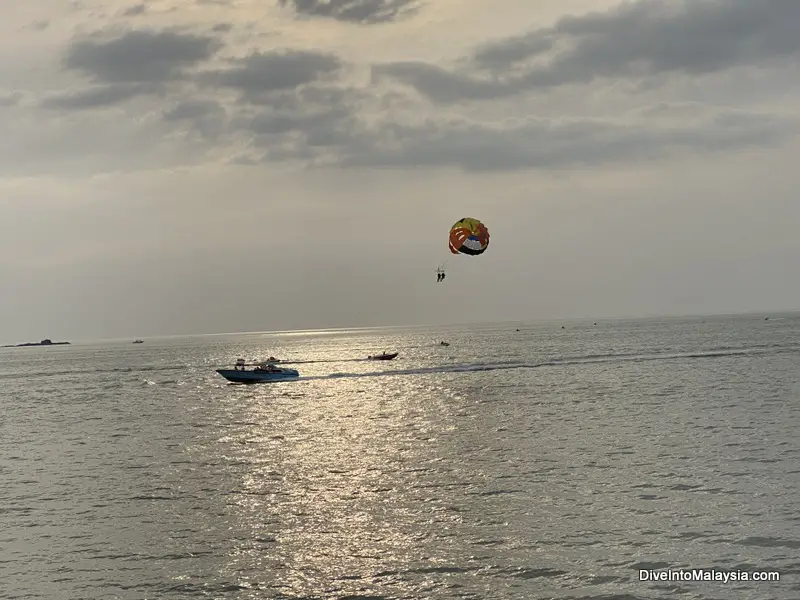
332,330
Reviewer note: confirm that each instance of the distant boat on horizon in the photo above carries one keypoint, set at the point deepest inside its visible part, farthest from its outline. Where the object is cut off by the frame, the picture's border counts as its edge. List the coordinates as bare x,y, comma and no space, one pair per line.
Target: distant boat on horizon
138,342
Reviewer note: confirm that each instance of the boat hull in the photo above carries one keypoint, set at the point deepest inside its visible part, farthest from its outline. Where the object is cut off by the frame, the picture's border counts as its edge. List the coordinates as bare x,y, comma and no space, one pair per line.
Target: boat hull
257,376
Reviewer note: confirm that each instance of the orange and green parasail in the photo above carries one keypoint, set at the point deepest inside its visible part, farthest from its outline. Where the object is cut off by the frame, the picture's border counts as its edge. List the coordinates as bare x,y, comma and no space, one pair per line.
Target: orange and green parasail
469,236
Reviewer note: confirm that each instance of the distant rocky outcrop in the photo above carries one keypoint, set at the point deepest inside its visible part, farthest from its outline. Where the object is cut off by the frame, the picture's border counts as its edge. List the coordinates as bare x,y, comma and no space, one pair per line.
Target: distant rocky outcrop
44,342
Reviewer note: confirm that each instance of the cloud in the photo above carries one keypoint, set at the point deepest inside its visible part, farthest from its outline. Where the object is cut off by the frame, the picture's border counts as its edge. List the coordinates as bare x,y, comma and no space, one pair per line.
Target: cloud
194,109
355,11
140,56
308,125
206,118
553,144
266,72
97,96
323,126
136,9
10,98
500,55
635,41
310,122
439,84
39,25
299,105
84,143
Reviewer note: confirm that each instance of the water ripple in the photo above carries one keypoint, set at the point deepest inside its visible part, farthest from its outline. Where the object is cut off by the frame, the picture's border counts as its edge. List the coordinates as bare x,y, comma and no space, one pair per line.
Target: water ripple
540,463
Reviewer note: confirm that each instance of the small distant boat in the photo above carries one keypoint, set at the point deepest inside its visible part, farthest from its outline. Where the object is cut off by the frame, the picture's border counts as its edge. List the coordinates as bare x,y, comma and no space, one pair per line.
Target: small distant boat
444,343
384,356
262,373
138,342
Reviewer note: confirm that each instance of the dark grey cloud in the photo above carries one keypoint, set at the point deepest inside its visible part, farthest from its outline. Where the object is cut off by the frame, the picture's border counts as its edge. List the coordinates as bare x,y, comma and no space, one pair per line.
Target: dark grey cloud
98,96
267,72
355,11
293,105
309,121
189,110
136,9
302,124
140,56
324,128
10,98
40,25
206,118
501,55
295,124
334,135
316,114
652,37
544,144
441,85
639,40
291,112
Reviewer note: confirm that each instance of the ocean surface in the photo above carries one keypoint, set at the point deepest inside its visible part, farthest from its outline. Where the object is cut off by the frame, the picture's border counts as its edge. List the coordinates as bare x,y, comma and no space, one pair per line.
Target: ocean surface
522,461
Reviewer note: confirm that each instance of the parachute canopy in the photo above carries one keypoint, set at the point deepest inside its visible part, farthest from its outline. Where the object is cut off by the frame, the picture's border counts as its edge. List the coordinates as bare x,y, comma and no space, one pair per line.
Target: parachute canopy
468,236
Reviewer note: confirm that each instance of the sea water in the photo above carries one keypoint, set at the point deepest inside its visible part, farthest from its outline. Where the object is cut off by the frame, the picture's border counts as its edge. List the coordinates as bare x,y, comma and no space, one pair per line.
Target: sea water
598,460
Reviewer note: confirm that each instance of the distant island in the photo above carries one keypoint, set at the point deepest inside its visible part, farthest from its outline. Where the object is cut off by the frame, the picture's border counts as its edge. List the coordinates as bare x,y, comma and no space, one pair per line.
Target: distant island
44,342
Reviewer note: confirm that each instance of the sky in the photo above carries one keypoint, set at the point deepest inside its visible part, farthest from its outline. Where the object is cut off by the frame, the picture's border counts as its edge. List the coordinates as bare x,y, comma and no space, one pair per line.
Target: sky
202,166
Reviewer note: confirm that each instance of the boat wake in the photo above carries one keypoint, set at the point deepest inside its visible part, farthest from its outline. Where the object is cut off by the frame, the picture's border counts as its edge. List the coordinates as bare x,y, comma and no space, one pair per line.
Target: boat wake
578,360
322,360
